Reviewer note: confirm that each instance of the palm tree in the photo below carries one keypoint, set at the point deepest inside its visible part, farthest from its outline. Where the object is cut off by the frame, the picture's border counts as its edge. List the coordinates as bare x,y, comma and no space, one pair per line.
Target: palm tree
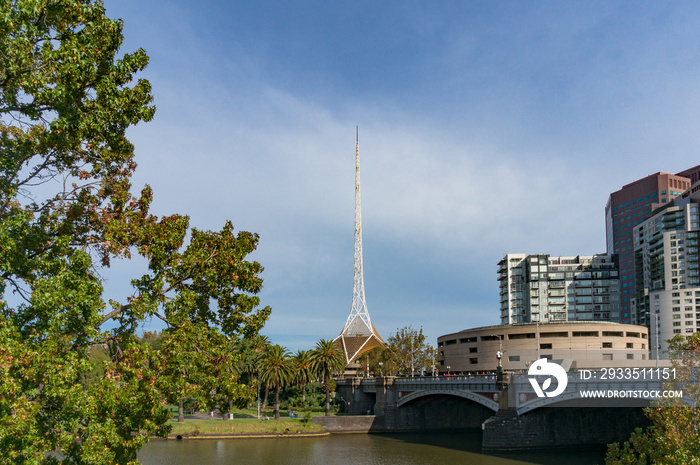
302,371
276,371
327,359
252,351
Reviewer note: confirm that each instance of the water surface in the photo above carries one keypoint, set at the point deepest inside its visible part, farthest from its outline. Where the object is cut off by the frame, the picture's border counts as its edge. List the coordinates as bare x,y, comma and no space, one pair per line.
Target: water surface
356,449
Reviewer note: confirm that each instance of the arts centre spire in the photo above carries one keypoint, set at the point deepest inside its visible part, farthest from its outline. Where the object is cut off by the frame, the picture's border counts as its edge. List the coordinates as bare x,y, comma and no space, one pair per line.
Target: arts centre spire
359,334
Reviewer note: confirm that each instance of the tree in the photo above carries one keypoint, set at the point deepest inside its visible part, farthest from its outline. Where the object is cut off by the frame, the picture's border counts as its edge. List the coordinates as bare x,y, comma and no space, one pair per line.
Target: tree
276,371
674,436
327,359
301,363
66,211
251,351
409,351
379,362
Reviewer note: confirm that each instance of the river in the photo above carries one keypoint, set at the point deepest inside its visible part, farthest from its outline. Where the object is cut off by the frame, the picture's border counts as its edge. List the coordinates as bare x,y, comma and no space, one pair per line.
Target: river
360,449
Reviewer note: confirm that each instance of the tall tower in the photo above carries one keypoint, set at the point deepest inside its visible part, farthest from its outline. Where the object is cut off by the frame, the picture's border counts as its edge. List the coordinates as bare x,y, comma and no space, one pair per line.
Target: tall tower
359,334
626,209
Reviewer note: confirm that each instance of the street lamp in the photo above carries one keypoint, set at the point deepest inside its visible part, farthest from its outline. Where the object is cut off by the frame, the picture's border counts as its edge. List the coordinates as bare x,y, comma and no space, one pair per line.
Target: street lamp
448,370
499,354
381,369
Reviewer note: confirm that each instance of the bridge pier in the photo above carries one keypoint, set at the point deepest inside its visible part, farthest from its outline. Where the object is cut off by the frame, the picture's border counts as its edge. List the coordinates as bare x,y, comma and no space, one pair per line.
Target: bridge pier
385,395
358,395
549,427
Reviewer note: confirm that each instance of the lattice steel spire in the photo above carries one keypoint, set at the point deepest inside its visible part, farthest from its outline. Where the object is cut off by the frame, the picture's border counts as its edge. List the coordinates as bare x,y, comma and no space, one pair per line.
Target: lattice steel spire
359,334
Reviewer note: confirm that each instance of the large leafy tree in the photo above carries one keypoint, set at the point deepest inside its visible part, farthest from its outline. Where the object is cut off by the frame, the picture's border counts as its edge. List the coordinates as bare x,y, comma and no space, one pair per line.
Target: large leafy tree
250,352
409,351
66,211
407,354
674,436
200,364
327,359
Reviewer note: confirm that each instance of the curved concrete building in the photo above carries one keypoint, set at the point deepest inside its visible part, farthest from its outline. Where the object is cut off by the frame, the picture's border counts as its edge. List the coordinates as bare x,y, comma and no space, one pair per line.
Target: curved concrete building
580,344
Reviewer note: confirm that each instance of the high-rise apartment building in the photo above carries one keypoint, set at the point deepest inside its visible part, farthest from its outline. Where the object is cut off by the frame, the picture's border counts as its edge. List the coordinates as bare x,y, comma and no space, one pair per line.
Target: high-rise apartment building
629,207
667,278
543,288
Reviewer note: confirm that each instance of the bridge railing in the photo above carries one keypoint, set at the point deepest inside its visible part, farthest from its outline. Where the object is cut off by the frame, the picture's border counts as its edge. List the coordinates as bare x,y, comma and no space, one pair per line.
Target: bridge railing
486,378
447,379
480,383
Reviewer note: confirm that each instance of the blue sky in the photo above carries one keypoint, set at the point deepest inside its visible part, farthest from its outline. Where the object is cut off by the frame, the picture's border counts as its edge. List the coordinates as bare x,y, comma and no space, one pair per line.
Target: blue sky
485,128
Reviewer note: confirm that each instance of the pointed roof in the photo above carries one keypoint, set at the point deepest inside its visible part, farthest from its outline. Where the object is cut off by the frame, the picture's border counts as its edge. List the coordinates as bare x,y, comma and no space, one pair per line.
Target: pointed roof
357,339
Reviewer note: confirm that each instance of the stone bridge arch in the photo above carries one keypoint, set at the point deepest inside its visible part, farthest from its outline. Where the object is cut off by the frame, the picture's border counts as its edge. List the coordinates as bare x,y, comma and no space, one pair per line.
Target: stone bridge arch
477,398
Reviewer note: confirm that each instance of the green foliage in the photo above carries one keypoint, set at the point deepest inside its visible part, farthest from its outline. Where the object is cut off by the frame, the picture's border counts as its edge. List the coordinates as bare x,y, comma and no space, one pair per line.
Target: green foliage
276,371
313,398
327,359
303,373
308,417
408,353
66,100
152,338
674,437
99,359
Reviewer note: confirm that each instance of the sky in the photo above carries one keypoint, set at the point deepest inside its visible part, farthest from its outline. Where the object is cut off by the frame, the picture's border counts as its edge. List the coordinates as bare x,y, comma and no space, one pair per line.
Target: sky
485,128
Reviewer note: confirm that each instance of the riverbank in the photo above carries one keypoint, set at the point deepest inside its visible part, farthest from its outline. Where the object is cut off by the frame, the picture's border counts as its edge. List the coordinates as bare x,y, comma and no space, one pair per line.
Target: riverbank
243,428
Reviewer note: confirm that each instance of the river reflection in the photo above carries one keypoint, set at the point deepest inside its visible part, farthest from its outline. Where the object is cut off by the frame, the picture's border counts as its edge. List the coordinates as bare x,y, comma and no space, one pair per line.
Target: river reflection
372,449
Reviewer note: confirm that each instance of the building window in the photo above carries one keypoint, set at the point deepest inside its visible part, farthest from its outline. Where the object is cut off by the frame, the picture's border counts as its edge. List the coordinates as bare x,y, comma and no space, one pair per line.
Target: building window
630,356
607,345
514,358
607,356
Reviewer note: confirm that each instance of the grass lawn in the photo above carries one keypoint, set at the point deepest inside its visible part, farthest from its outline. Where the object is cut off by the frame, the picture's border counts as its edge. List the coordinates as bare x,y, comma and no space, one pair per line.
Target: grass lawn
244,422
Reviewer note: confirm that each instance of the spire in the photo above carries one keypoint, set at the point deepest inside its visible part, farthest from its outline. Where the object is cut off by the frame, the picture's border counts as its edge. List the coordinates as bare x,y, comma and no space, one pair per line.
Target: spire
359,334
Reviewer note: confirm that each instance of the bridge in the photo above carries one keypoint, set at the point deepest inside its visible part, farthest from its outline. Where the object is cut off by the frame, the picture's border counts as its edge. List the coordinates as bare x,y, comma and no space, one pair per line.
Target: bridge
506,409
360,394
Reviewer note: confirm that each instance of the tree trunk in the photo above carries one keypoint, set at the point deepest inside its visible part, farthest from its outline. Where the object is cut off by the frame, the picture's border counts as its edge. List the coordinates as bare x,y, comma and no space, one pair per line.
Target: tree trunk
277,402
328,393
303,395
264,402
180,412
225,415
